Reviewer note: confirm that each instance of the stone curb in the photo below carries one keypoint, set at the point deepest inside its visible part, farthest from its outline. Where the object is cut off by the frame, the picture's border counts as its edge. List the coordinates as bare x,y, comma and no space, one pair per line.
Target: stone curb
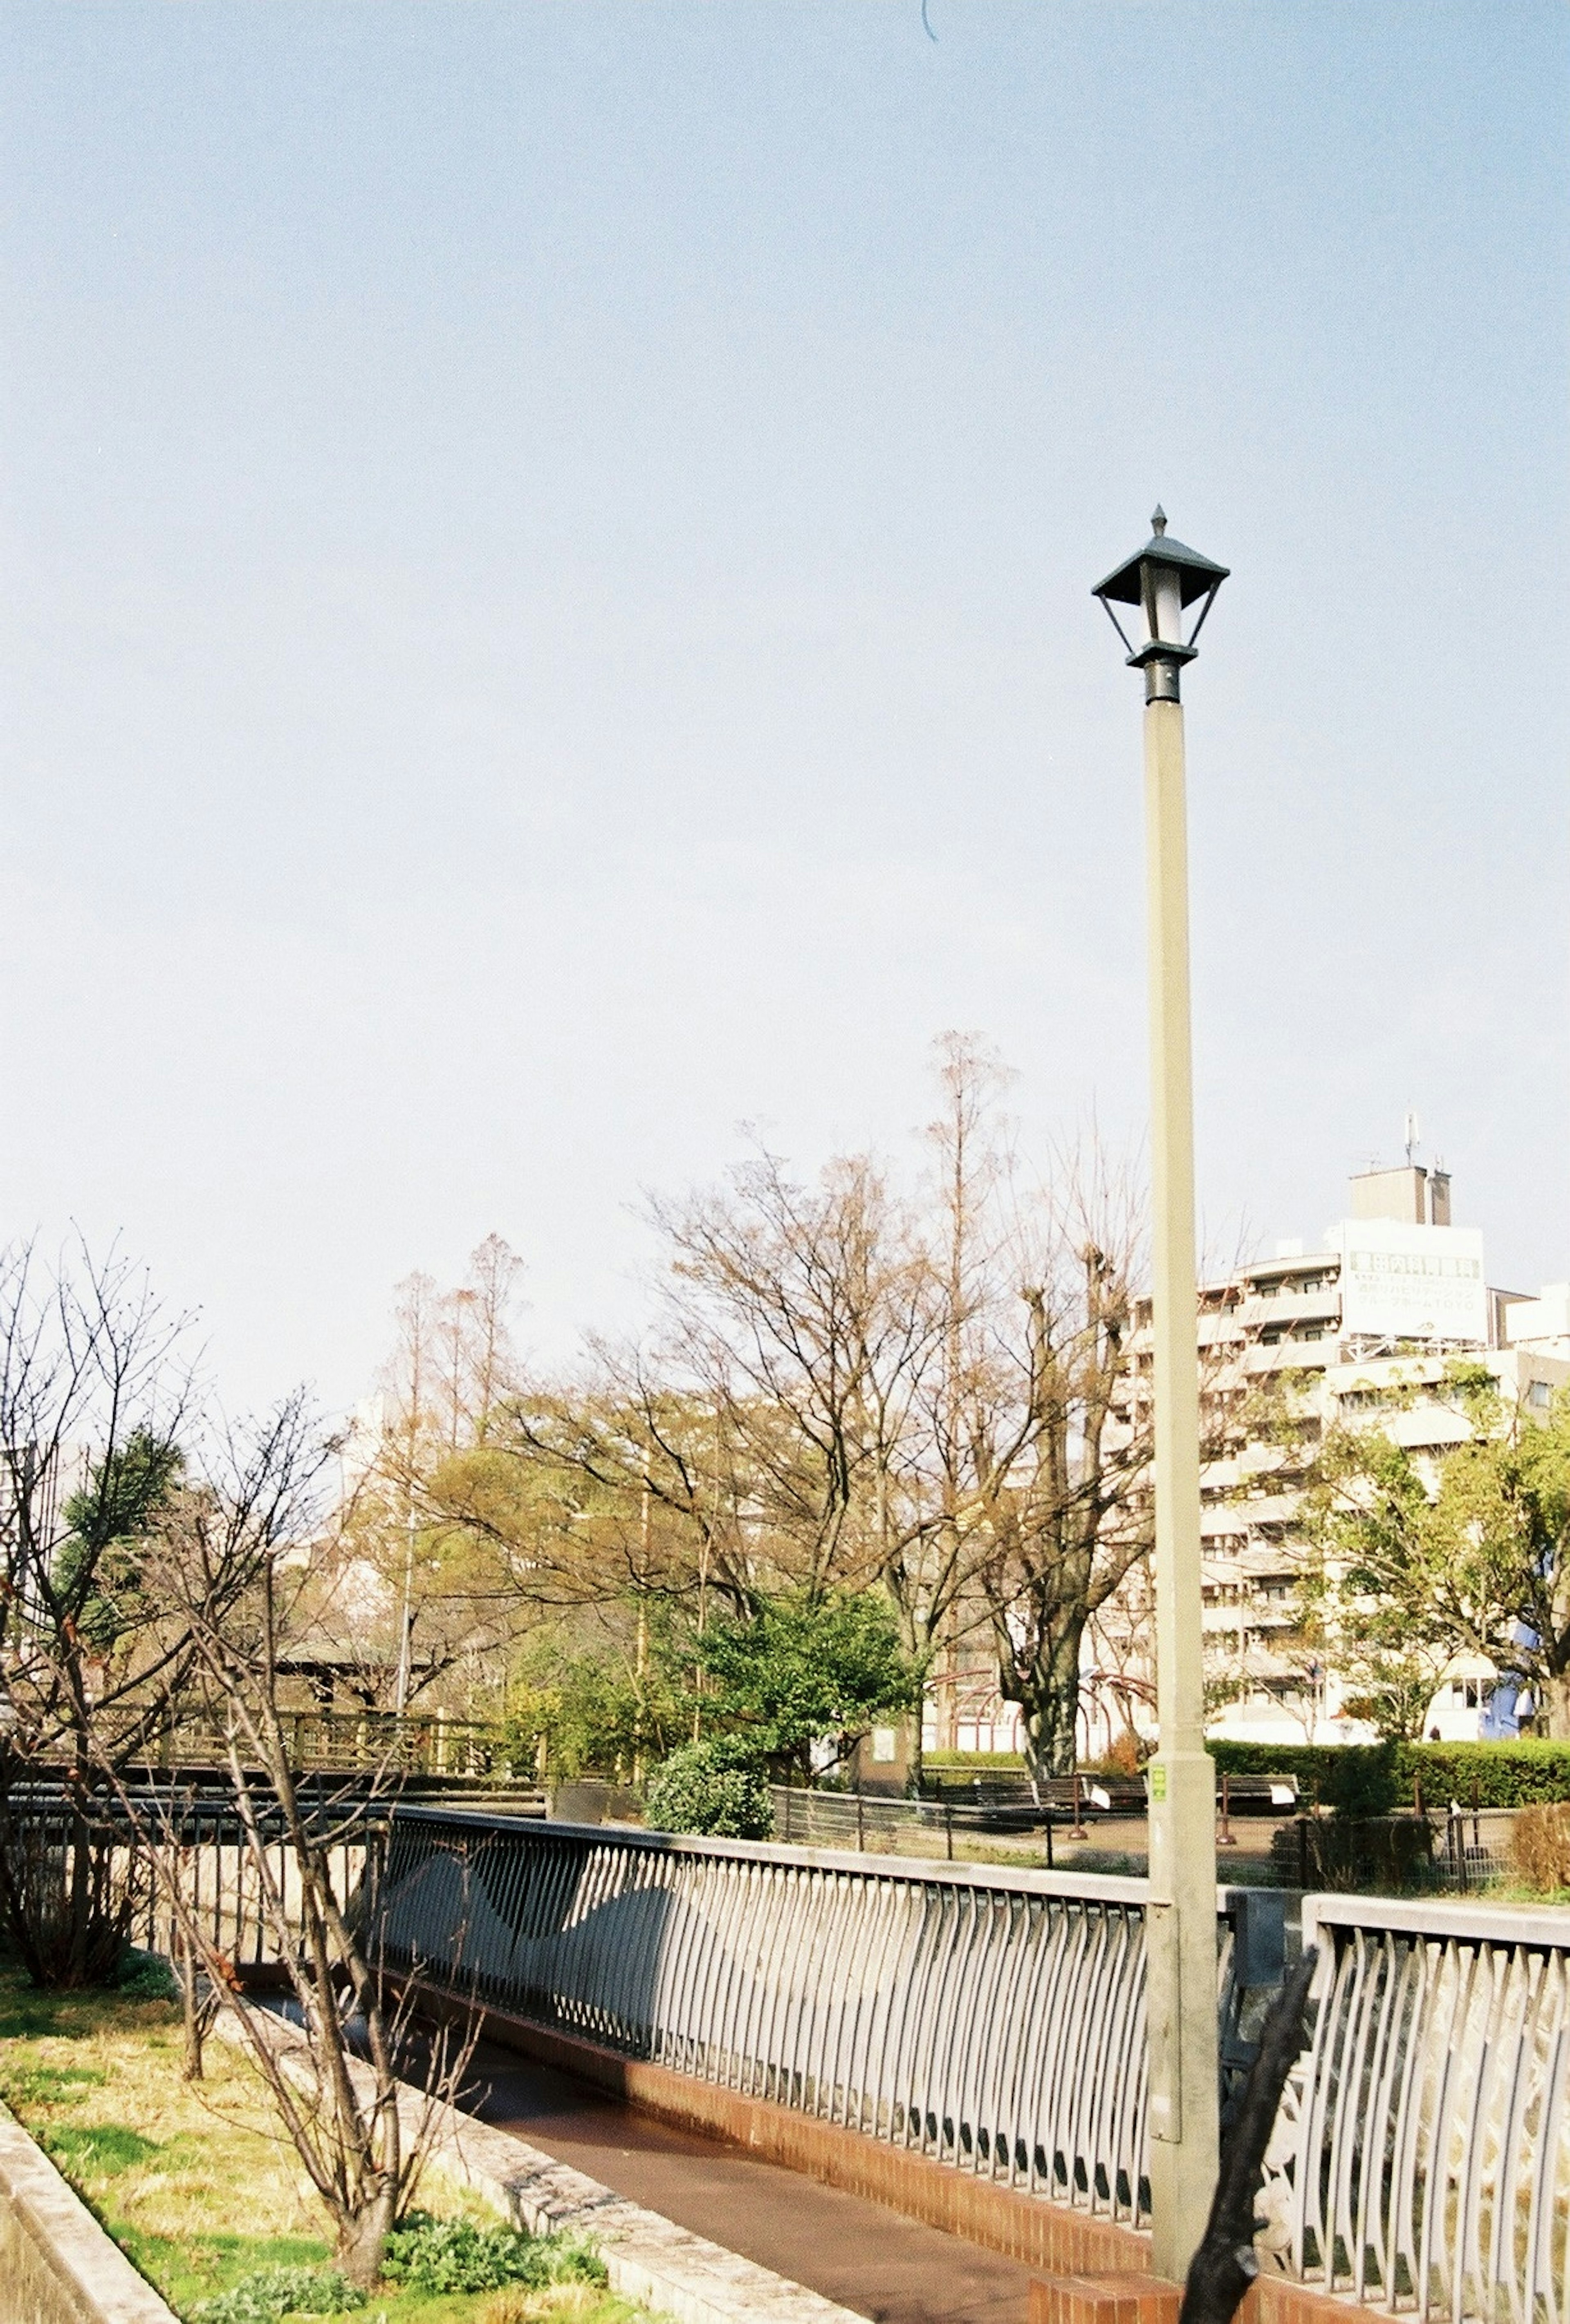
648,2257
59,2267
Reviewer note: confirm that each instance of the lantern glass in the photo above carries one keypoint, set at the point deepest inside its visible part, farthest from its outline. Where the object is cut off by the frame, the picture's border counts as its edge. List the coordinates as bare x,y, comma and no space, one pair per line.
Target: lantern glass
1165,580
1162,591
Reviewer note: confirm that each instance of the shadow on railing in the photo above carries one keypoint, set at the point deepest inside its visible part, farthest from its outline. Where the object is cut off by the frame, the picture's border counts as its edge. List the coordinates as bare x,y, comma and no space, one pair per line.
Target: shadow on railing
990,2018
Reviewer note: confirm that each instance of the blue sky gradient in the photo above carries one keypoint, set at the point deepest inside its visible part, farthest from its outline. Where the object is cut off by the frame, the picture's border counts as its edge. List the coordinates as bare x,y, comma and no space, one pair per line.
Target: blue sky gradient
546,612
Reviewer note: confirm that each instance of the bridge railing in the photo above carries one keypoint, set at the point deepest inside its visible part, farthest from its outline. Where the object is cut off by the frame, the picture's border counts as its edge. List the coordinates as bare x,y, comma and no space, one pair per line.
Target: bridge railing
995,2019
1421,2158
991,2018
219,1866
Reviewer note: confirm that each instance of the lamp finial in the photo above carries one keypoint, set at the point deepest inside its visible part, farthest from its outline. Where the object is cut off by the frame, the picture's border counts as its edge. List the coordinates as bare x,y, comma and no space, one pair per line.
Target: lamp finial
1158,521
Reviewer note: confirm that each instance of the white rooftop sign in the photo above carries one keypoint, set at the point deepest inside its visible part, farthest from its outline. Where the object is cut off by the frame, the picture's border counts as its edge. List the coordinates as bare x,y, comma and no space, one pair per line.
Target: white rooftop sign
1400,1282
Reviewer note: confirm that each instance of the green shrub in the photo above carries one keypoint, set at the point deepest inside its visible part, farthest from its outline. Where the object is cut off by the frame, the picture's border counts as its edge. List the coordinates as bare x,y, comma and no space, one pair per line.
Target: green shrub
713,1788
270,2293
1528,1774
975,1763
456,2255
146,1977
1354,1779
1359,1780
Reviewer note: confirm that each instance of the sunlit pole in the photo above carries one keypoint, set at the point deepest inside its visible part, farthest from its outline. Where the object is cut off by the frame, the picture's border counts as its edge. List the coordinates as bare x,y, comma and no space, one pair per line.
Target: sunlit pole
1162,581
406,1624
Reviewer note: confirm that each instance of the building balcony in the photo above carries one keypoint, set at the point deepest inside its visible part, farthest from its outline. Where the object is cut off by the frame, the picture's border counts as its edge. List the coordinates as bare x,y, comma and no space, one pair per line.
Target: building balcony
1291,1307
1240,1514
1291,1355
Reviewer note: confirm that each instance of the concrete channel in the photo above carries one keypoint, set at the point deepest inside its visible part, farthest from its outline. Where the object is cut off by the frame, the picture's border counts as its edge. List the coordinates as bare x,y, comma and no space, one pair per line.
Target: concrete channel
886,2267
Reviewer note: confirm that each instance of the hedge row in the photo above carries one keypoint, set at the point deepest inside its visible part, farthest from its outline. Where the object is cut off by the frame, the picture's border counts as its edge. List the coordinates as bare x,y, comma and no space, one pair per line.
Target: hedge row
1371,1780
1368,1780
979,1763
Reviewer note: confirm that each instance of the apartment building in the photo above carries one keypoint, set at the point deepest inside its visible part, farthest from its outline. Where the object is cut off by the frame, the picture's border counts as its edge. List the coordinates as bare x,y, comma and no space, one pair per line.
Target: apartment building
1356,1329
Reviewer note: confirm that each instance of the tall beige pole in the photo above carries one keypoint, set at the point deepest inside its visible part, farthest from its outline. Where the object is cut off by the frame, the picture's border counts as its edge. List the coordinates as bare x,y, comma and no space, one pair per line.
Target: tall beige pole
1181,1928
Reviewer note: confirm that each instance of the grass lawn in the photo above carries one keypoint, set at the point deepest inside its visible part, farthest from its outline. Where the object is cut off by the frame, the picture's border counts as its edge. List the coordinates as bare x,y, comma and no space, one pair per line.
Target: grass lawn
193,2180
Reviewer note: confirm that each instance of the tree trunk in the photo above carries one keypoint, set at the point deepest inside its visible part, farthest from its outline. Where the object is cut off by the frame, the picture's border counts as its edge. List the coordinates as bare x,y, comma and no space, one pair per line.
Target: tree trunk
361,2239
194,2013
1556,1706
80,1895
1049,1694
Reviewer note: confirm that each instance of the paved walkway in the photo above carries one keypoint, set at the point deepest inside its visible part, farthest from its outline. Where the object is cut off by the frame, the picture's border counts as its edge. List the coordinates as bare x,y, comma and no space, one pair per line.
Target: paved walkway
883,2266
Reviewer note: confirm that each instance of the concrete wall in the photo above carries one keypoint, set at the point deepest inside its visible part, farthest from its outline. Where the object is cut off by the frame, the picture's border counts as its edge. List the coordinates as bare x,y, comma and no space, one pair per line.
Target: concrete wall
57,2266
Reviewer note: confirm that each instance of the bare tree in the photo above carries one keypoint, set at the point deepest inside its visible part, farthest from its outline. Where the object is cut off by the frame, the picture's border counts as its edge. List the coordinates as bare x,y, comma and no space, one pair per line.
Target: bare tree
764,1440
851,1390
496,1273
808,1320
140,1596
95,1393
224,1568
435,1589
1061,1453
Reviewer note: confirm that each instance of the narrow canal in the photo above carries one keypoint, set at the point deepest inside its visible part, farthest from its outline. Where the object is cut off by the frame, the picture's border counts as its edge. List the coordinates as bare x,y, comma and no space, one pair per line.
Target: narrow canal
886,2267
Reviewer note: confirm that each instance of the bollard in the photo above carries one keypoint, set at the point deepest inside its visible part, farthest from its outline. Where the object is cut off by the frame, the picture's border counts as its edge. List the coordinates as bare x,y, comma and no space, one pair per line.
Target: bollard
1224,1838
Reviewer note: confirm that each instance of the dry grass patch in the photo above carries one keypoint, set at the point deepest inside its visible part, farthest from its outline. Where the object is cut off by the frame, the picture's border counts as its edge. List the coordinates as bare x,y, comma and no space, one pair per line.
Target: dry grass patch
193,2179
102,2092
1540,1848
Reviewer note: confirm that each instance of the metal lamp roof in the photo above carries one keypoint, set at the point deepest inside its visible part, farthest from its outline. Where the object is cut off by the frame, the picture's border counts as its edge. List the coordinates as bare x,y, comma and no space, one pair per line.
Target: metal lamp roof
1196,574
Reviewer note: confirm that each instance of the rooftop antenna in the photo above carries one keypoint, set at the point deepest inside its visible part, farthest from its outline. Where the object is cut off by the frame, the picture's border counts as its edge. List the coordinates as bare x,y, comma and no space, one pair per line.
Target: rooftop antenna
1413,1133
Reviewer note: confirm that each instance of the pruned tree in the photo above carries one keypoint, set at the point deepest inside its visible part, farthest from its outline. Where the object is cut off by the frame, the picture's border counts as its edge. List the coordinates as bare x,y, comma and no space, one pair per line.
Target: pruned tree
1061,1453
1041,1440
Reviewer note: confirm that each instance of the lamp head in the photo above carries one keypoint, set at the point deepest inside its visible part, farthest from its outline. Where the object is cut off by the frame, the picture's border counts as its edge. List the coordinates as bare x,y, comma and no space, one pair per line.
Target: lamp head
1164,580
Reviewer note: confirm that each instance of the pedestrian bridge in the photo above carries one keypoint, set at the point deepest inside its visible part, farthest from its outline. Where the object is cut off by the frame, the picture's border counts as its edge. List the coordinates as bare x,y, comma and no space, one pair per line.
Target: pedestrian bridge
969,2042
966,2043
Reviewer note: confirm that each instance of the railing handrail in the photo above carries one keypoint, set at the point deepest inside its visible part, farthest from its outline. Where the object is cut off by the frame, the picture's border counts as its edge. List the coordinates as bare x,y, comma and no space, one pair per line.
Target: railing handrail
1494,1924
1089,1888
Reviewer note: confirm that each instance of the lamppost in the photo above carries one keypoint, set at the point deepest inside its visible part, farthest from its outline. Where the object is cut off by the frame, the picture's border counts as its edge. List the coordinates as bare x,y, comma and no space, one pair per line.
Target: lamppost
1164,580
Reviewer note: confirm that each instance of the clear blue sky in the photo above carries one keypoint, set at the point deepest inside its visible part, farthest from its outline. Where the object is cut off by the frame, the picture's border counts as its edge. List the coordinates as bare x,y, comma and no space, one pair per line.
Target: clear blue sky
547,556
